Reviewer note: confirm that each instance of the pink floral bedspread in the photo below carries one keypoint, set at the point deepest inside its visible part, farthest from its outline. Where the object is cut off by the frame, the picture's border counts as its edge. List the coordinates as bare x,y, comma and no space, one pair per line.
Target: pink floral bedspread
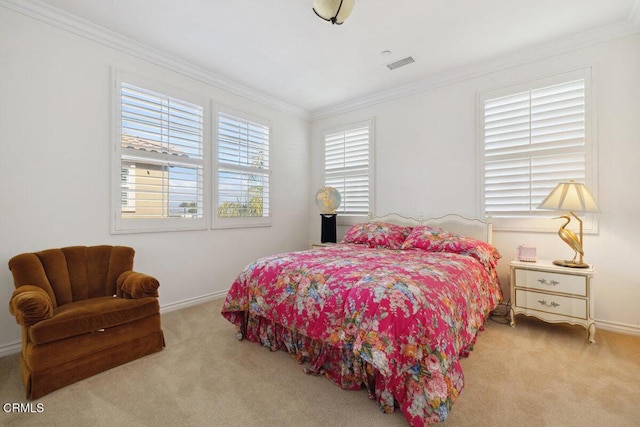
409,314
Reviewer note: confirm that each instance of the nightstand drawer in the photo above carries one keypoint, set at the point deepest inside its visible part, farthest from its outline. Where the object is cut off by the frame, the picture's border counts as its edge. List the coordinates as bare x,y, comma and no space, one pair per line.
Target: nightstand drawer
552,282
549,303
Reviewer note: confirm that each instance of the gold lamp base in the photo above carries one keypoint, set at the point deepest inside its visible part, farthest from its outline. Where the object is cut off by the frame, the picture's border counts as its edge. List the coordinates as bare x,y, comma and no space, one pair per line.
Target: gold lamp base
571,263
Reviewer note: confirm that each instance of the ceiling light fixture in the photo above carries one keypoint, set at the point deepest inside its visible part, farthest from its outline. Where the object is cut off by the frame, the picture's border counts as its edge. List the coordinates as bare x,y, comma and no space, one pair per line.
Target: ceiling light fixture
334,11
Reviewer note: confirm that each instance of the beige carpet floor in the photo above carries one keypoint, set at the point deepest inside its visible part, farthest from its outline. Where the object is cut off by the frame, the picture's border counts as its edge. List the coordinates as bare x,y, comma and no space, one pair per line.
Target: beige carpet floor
532,375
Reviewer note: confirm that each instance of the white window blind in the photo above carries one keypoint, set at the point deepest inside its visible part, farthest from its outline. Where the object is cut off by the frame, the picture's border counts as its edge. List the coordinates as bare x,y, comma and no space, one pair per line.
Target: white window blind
243,172
533,139
127,203
161,160
347,167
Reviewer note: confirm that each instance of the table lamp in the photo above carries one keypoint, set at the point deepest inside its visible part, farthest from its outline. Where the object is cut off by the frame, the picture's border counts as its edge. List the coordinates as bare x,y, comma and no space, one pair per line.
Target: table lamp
573,197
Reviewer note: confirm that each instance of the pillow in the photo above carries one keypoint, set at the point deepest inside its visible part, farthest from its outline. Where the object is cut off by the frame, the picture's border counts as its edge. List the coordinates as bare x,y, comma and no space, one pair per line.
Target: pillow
482,251
426,237
377,235
435,239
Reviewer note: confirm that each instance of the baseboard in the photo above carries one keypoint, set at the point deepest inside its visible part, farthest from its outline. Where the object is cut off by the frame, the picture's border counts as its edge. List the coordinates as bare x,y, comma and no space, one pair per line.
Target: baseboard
622,328
9,349
192,301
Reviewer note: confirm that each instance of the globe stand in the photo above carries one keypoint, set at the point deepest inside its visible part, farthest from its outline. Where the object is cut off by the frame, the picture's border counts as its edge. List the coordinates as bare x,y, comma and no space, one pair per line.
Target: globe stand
329,230
328,200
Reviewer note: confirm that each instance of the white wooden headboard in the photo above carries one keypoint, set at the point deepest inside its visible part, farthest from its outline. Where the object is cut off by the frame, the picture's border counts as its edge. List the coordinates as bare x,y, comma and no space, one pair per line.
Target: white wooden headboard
469,227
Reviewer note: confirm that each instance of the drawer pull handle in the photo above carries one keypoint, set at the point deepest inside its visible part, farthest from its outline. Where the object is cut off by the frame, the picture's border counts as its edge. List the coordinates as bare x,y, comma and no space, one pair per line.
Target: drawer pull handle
548,304
550,282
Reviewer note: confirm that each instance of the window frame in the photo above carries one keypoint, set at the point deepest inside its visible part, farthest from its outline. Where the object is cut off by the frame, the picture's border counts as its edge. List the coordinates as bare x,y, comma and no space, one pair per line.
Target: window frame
120,225
544,222
239,222
350,219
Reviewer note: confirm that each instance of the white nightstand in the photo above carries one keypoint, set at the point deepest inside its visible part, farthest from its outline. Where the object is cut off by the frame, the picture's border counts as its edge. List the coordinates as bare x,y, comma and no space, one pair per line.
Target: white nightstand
552,293
316,245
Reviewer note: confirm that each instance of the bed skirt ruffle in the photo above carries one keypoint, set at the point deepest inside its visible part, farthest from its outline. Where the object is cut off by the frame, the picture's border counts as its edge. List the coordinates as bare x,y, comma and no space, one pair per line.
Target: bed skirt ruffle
424,397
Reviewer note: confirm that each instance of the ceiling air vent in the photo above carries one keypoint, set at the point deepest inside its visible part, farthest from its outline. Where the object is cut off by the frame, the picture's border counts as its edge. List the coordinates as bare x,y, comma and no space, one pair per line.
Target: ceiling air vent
401,63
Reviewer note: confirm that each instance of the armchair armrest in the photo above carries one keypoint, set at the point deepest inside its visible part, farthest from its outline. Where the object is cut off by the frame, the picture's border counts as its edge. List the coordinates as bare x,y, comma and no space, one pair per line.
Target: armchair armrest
131,284
30,304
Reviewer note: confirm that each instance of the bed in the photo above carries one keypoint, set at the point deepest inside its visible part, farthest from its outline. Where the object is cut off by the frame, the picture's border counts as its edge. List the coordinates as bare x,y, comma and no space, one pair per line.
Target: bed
391,309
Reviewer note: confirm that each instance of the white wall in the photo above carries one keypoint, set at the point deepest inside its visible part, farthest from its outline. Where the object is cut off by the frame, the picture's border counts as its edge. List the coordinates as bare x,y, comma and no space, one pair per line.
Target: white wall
55,121
427,162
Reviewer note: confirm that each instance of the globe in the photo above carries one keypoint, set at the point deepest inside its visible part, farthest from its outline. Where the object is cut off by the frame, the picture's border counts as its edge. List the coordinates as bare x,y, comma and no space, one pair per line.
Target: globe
328,200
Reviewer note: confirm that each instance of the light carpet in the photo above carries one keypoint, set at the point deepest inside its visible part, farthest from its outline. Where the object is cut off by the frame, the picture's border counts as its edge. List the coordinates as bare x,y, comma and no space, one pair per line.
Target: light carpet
536,374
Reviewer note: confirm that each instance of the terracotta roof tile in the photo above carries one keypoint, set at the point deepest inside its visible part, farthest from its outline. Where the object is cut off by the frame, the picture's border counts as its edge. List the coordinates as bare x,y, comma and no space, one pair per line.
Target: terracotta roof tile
136,143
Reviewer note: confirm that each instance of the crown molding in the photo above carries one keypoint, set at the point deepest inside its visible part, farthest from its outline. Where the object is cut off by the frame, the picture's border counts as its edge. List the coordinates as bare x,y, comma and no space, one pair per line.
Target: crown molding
83,28
73,24
621,29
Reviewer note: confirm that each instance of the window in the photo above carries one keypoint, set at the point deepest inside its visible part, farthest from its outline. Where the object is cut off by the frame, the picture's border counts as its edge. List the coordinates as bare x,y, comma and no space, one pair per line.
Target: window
160,157
241,197
348,166
534,136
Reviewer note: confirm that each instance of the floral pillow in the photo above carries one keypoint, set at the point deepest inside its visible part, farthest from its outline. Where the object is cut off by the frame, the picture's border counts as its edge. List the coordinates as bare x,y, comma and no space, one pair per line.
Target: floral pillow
377,235
426,237
435,239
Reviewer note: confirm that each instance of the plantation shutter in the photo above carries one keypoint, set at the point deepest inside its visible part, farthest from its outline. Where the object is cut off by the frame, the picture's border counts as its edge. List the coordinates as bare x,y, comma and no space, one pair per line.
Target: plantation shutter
532,140
243,167
347,168
162,161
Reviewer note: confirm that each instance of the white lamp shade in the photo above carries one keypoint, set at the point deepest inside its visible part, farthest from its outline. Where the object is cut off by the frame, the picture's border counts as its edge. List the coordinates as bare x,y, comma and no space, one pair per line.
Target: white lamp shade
570,196
329,9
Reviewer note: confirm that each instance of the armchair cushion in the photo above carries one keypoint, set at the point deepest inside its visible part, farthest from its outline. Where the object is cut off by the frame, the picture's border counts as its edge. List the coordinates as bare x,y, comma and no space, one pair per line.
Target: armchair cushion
30,304
131,284
86,316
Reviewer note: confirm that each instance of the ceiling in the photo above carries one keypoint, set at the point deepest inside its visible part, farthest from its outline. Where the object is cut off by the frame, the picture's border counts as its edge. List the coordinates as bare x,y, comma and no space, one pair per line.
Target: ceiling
279,48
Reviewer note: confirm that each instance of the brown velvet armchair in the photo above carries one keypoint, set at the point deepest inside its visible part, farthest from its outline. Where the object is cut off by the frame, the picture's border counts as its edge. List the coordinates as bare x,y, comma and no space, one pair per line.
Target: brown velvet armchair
83,310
